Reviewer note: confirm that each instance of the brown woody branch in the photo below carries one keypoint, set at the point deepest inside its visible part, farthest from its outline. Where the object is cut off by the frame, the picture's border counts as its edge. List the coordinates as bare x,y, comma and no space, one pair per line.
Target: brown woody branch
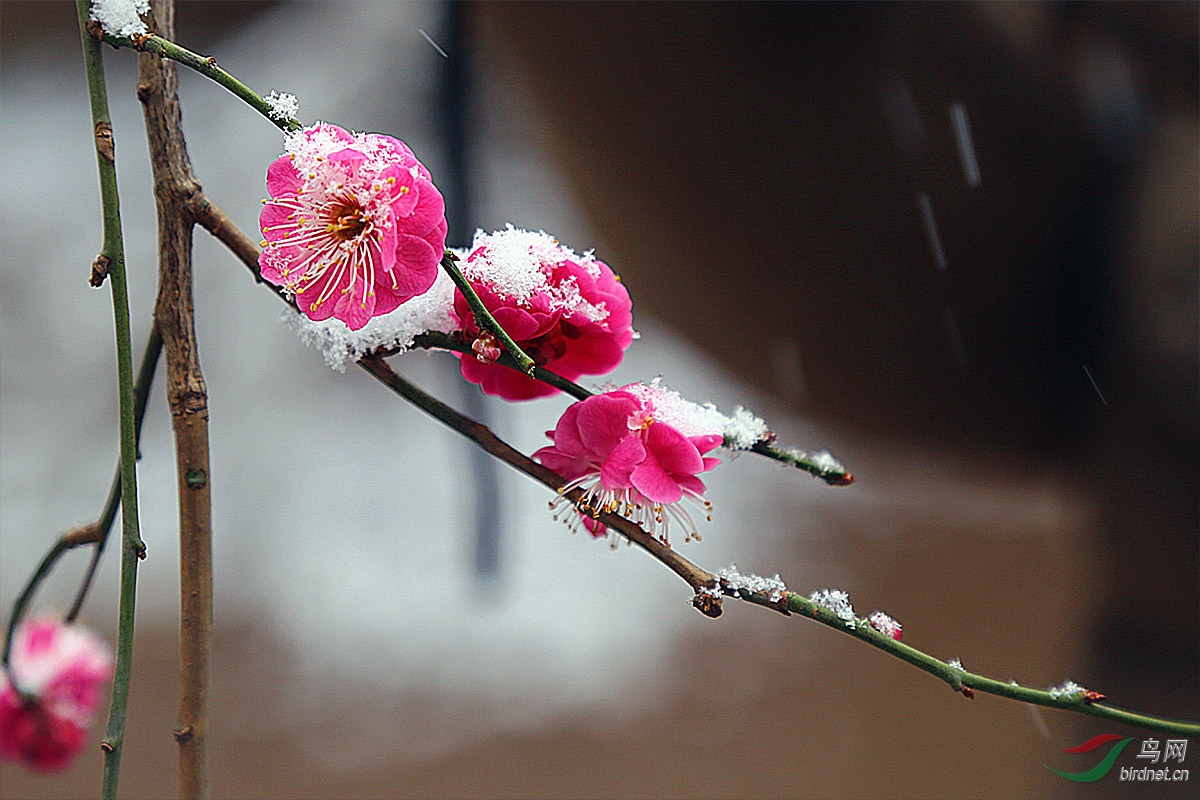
174,187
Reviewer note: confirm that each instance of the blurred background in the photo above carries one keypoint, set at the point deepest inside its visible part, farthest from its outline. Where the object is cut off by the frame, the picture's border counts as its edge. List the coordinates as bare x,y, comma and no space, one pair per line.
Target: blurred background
955,244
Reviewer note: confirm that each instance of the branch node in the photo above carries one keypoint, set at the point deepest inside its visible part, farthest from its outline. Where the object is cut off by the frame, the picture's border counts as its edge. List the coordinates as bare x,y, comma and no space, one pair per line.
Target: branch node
99,270
139,41
141,552
83,534
967,692
95,30
107,746
707,603
196,479
105,145
184,735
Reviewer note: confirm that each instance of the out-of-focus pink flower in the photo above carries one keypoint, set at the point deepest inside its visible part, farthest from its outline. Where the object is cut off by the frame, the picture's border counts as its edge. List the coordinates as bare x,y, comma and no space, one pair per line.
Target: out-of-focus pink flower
635,451
60,671
354,226
568,312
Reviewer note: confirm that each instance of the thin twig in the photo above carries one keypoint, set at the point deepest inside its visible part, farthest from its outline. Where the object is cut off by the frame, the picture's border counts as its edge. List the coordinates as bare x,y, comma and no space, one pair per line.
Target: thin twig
695,577
708,589
206,66
94,533
112,256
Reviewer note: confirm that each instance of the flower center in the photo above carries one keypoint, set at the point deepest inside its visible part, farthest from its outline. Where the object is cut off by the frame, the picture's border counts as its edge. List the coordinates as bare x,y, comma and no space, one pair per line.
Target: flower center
346,222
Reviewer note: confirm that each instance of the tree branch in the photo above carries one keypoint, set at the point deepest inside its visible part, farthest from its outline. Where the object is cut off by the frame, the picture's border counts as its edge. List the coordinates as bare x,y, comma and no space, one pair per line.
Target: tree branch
206,66
187,397
709,589
111,263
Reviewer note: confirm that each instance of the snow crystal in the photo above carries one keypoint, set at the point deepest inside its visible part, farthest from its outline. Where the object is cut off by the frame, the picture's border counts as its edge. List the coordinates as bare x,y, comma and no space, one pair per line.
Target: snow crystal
342,346
670,407
740,431
956,664
120,17
884,624
773,588
283,105
836,601
743,430
822,460
1065,688
516,263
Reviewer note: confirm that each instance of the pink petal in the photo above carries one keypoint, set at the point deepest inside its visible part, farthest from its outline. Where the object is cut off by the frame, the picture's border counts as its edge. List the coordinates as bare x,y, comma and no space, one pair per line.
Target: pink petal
283,178
503,382
652,480
603,422
353,309
429,210
349,158
707,442
404,196
672,450
517,322
416,265
594,353
622,462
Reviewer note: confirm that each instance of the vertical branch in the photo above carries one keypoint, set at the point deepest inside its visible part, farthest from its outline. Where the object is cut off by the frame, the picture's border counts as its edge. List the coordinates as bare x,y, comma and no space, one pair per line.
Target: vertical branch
110,264
174,187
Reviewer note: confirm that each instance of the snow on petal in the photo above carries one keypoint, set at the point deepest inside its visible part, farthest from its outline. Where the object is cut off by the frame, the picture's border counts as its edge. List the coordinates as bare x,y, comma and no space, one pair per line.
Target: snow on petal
568,312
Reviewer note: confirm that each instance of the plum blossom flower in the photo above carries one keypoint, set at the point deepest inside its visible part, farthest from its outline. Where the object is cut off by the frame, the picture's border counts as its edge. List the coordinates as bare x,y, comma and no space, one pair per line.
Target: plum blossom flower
354,226
568,312
59,671
633,453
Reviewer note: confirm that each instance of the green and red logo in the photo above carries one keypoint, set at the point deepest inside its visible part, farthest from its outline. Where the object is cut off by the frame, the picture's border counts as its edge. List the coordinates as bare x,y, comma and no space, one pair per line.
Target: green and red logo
1100,770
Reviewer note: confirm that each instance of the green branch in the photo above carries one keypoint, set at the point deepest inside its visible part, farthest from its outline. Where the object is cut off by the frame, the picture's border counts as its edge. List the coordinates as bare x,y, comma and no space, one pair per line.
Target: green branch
709,589
206,66
484,318
111,262
962,681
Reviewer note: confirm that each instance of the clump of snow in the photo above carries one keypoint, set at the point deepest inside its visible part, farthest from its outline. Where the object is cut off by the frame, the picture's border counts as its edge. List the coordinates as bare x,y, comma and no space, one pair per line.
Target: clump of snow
885,624
740,431
120,17
518,263
743,430
821,459
343,346
1065,688
957,664
283,105
773,588
836,601
670,407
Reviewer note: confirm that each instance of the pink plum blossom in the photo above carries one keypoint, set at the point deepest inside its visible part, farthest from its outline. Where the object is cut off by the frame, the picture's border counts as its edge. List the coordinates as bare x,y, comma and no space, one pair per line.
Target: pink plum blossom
60,671
633,454
569,313
354,226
